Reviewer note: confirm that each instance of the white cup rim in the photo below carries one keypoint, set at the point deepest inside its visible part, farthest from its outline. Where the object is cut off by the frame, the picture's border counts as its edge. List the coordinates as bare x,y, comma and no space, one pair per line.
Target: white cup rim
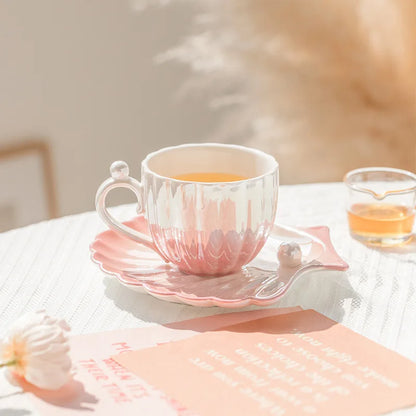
146,169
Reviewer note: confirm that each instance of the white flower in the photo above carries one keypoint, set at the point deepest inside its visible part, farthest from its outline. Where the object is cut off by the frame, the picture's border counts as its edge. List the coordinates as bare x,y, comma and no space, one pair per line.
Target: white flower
36,348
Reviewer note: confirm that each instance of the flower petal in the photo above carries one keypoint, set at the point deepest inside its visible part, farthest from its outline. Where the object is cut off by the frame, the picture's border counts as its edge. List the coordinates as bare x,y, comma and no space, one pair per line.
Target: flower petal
39,344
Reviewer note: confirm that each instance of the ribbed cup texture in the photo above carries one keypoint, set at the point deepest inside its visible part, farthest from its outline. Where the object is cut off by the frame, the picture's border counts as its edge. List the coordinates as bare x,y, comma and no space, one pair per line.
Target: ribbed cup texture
210,229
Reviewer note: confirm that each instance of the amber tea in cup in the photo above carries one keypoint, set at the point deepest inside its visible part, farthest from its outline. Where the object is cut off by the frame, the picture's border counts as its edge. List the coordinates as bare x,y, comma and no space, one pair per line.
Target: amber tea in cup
381,205
210,177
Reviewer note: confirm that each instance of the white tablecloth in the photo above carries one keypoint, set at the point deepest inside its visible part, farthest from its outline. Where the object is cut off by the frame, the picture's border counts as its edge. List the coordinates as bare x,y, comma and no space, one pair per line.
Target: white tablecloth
47,266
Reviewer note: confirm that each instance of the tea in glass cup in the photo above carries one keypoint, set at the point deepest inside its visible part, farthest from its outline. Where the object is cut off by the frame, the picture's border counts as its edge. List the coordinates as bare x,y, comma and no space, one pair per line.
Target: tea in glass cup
381,205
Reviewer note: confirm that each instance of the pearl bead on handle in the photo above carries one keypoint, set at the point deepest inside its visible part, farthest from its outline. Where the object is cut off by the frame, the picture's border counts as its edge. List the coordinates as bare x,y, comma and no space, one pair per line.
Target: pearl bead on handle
289,254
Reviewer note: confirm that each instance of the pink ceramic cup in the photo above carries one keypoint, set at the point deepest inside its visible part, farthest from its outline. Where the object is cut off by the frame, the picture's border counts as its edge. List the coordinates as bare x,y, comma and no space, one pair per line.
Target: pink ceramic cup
204,228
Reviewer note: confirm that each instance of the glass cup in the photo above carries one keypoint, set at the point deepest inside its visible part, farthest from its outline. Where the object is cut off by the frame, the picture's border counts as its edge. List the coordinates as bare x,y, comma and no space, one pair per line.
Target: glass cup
205,228
381,205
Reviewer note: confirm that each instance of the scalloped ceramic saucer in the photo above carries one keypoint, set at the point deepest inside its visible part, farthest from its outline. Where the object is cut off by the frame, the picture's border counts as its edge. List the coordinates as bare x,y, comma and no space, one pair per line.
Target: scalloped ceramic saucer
261,282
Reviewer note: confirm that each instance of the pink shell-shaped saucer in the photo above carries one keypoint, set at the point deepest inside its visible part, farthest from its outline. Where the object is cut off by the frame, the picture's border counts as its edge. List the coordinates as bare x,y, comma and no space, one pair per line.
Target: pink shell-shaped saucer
261,282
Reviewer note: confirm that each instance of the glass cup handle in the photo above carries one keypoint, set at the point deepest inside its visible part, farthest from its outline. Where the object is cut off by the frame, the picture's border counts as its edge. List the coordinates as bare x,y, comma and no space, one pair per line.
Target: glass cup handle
120,179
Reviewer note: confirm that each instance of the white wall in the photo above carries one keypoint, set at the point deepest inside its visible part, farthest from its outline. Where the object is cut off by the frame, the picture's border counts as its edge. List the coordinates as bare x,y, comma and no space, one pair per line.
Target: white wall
81,73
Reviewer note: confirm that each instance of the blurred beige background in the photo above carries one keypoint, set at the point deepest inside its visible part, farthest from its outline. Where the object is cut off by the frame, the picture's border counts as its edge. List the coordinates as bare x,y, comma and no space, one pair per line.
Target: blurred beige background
81,74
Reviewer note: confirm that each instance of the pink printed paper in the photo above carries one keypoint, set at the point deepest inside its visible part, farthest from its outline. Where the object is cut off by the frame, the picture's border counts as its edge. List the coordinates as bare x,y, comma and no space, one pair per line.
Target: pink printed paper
300,363
103,386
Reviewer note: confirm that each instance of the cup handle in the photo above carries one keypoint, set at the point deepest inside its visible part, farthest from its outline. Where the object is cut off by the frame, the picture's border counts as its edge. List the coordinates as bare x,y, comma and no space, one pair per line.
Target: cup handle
120,179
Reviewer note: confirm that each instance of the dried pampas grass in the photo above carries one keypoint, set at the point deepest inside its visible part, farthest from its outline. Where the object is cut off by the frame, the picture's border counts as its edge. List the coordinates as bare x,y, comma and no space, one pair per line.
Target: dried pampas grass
324,86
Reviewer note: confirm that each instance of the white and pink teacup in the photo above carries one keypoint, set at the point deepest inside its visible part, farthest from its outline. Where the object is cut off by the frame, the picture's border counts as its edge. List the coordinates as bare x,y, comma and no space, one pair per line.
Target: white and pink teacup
205,228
